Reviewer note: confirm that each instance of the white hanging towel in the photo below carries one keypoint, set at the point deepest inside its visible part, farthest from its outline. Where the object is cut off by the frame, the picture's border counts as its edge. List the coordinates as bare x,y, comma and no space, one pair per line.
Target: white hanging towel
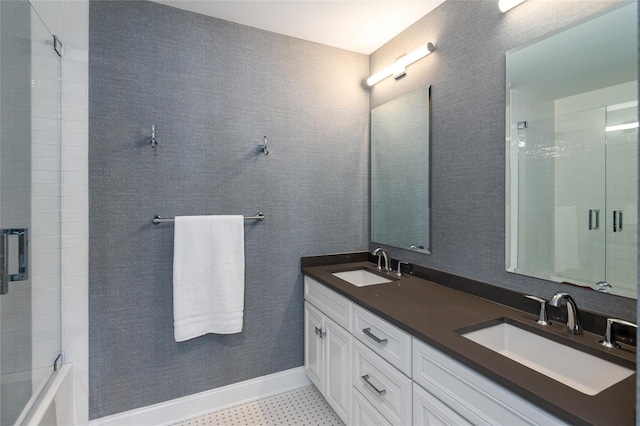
208,276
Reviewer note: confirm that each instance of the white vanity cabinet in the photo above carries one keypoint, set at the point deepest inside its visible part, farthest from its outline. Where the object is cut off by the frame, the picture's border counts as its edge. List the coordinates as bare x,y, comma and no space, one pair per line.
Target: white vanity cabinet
374,373
327,345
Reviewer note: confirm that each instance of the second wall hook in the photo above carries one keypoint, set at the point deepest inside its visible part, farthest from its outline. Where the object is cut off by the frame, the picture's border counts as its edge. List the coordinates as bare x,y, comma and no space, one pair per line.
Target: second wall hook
153,142
263,148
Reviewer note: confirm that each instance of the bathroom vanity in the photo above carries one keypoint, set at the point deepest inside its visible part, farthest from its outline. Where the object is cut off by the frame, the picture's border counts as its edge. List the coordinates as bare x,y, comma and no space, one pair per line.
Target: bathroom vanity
395,353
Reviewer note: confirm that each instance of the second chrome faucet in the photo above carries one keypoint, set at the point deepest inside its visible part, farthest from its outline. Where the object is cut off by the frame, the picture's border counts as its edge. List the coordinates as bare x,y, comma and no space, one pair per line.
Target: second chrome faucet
382,254
574,323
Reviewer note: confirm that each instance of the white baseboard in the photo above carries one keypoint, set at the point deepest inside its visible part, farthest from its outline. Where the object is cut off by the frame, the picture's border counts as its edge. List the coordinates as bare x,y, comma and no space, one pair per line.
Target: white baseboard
199,404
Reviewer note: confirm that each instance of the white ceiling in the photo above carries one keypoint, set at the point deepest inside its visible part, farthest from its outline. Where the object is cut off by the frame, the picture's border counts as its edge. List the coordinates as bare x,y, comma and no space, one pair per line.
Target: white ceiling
356,25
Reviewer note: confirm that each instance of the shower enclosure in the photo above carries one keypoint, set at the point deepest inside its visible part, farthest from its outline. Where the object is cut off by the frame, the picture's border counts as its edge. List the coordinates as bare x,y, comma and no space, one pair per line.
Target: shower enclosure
572,154
577,197
30,179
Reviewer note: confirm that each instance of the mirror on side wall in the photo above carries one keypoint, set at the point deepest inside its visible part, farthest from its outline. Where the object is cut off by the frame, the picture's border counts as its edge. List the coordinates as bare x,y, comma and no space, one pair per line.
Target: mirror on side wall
400,172
572,149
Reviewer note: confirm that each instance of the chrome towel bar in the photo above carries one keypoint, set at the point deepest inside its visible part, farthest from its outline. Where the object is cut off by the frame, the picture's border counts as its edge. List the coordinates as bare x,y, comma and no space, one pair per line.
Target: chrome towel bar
158,220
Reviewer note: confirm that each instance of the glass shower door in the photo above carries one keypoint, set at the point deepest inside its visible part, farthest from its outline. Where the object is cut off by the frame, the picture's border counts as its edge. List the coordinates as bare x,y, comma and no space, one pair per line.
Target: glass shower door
580,218
29,206
561,197
577,198
622,198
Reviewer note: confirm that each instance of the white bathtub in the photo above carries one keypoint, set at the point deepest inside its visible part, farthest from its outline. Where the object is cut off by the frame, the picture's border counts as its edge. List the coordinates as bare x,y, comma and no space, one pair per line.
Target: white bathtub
52,403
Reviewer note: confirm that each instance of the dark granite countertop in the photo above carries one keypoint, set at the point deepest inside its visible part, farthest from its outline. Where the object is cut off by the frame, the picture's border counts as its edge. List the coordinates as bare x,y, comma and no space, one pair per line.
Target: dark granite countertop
433,312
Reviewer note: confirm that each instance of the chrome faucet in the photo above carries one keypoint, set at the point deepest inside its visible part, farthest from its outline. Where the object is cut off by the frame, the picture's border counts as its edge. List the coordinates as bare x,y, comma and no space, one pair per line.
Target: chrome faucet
574,323
381,253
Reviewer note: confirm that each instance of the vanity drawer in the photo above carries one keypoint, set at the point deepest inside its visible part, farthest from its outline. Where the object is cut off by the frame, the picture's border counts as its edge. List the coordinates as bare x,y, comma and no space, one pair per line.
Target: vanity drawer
363,413
386,388
430,411
333,305
473,396
385,339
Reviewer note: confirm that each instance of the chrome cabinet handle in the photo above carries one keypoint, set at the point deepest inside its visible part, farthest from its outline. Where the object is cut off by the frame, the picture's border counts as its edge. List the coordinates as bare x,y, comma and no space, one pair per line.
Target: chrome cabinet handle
23,258
320,333
367,383
368,332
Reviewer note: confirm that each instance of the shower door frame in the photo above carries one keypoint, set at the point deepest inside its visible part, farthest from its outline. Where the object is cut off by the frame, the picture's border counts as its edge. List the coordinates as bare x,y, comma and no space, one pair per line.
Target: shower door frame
30,111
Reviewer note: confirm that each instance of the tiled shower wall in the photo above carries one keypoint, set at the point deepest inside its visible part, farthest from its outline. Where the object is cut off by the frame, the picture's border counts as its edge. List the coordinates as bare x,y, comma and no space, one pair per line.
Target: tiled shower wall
69,20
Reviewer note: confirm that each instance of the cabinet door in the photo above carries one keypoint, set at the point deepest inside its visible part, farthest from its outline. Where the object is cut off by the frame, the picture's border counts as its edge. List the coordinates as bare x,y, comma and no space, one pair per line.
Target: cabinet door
337,368
430,411
313,356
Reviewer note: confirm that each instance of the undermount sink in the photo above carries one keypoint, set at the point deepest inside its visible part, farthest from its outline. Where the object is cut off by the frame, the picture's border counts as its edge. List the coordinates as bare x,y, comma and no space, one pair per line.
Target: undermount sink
361,277
581,371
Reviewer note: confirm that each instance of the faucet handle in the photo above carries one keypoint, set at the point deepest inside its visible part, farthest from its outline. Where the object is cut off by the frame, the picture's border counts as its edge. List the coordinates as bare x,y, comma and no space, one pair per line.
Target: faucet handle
608,340
542,318
603,286
400,263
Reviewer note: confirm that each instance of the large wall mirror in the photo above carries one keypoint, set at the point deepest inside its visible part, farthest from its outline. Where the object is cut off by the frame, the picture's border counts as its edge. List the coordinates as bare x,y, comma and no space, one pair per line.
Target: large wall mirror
572,141
400,172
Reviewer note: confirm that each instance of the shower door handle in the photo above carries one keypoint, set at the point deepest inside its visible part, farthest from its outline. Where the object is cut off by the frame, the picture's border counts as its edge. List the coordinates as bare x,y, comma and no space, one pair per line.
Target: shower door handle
594,214
23,257
617,221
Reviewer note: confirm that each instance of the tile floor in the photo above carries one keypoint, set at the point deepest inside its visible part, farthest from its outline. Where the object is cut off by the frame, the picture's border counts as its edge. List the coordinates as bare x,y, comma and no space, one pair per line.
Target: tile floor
304,406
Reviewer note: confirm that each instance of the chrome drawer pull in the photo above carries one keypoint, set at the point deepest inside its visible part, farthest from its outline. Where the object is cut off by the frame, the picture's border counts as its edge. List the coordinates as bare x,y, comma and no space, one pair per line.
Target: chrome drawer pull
368,332
365,380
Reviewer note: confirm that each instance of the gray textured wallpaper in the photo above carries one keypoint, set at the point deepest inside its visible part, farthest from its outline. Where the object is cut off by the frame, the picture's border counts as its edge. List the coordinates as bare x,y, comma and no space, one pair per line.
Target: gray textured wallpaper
213,89
467,75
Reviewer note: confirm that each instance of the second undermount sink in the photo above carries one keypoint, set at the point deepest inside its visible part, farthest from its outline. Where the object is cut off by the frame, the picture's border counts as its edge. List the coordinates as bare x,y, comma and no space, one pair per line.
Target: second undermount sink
361,277
584,372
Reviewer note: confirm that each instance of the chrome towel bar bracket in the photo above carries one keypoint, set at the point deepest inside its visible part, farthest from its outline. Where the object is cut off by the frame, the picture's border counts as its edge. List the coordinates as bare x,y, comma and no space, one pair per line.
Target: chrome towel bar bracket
158,220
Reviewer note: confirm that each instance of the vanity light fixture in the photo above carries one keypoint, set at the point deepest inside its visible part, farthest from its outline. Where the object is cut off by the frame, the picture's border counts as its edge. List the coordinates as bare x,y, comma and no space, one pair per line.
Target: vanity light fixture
626,126
398,68
506,5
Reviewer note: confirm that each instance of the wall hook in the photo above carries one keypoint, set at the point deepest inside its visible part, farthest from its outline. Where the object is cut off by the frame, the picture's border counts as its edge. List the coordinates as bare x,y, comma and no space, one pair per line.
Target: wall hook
263,148
153,142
